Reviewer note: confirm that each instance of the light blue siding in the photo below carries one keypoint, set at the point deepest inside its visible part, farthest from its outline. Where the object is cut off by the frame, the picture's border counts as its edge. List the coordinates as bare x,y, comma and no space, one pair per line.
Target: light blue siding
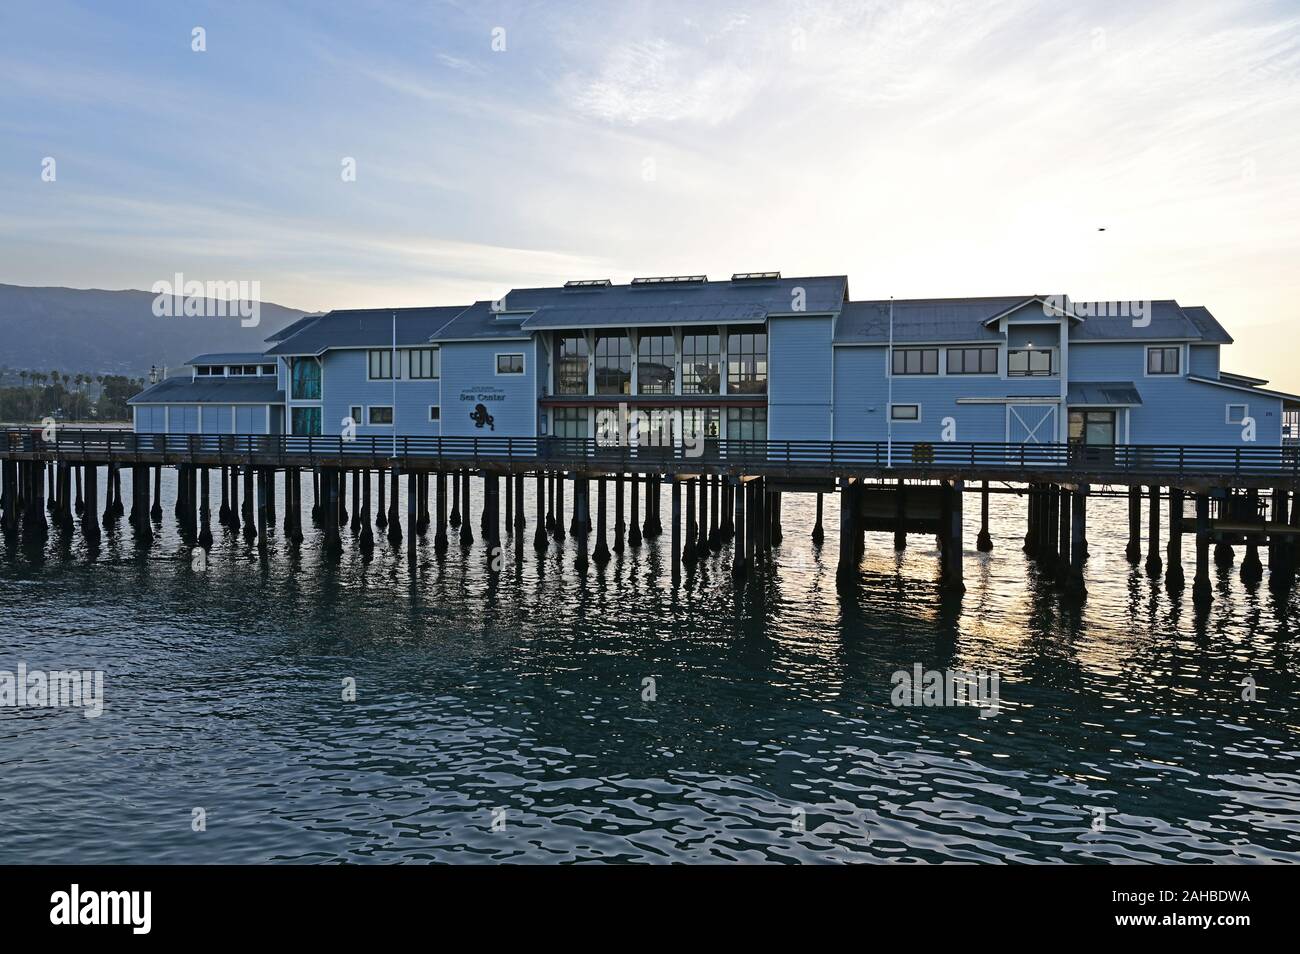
799,379
150,419
218,419
469,378
345,385
183,419
250,419
1204,360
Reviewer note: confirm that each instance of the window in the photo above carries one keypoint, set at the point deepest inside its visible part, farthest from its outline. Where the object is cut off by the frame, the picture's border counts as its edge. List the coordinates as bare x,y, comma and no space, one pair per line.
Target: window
701,364
1163,360
613,364
306,421
1236,413
571,422
250,369
305,384
510,364
1029,362
354,412
656,361
204,369
425,363
1094,428
571,364
435,413
746,423
379,414
916,360
904,412
747,363
972,360
268,369
381,365
235,369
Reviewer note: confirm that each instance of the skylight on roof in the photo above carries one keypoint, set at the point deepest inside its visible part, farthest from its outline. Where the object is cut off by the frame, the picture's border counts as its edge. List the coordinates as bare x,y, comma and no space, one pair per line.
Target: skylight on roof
755,276
589,283
672,280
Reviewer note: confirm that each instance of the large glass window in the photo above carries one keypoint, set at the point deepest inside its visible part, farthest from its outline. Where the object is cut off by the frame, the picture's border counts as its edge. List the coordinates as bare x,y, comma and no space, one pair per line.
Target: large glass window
571,364
972,360
424,363
656,364
381,366
306,379
613,364
1034,362
701,364
510,364
916,361
570,422
746,423
306,421
747,362
379,414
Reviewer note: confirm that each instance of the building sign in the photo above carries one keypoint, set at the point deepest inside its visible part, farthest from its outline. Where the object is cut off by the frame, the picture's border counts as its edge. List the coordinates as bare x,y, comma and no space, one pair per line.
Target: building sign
482,400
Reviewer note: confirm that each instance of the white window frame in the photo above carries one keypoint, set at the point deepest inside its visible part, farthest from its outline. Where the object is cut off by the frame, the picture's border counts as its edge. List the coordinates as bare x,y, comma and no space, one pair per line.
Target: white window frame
372,407
905,420
1052,352
523,364
1227,413
432,408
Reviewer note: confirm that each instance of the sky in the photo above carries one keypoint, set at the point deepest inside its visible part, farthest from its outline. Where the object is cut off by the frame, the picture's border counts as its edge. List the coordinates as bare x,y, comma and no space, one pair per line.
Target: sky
1136,150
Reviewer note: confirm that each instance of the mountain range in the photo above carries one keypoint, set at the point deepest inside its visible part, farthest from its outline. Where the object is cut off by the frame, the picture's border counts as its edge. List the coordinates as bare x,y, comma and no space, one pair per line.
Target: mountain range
99,331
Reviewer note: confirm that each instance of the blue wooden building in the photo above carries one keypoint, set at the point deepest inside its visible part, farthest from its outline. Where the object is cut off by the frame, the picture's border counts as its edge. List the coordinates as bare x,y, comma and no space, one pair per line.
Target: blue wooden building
758,356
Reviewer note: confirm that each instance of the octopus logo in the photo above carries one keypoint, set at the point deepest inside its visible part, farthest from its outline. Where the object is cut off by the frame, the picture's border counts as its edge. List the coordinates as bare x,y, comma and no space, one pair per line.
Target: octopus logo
480,417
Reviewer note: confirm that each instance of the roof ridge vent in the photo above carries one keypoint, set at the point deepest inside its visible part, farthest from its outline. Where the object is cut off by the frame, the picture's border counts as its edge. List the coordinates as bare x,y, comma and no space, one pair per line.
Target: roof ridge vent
589,283
756,276
672,280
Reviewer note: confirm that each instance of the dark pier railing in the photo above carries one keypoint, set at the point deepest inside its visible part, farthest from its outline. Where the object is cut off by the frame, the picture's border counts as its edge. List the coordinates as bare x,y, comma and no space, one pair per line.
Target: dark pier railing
1135,463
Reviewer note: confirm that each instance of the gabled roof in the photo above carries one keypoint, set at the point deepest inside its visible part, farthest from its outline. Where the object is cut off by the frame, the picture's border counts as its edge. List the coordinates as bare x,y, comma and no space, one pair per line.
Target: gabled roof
184,390
480,322
939,320
366,328
229,357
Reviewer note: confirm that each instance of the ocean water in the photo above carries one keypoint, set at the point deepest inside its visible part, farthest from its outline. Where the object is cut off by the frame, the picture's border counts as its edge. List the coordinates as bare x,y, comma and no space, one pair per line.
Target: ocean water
542,715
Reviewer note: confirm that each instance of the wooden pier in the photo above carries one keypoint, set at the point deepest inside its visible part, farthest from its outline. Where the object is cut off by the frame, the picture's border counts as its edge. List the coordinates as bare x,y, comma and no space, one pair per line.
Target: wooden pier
731,493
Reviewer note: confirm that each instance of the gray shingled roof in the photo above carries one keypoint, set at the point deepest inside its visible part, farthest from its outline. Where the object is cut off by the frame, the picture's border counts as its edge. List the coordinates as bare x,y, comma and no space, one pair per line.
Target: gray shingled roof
293,328
934,320
921,320
366,328
183,390
527,310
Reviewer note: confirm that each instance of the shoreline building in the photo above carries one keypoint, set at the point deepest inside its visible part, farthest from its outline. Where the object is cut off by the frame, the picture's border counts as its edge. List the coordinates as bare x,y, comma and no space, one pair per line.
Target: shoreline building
756,357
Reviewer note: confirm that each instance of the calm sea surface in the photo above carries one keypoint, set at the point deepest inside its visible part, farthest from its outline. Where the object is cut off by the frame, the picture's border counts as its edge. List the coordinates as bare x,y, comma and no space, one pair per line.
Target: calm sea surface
502,718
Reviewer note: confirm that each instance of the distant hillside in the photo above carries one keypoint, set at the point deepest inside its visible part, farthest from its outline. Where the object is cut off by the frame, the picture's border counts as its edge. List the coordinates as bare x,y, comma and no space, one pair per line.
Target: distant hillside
72,329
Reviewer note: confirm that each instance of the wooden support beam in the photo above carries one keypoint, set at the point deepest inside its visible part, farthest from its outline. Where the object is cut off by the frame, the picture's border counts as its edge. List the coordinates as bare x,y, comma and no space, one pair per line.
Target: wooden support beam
620,525
366,537
1201,595
984,542
634,511
1174,577
739,565
848,529
205,511
818,532
440,542
1154,562
601,554
952,550
688,551
394,515
540,536
677,530
1078,539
